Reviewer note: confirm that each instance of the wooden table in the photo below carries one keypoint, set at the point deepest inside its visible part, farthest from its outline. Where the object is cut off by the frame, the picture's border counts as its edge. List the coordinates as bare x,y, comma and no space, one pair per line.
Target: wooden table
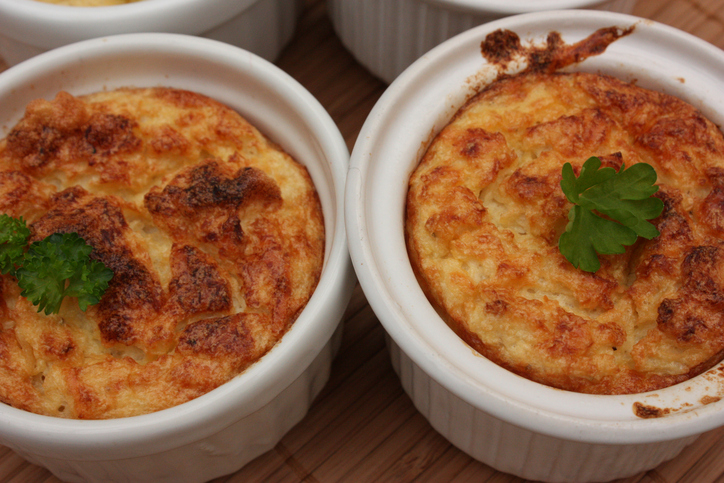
363,427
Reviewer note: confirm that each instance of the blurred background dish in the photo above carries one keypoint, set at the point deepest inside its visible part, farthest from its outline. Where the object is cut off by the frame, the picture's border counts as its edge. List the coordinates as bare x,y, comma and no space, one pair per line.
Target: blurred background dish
264,27
88,3
510,423
220,431
387,36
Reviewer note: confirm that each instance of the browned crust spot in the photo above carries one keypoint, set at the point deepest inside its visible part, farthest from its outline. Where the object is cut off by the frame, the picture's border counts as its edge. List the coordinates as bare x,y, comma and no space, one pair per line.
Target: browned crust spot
644,411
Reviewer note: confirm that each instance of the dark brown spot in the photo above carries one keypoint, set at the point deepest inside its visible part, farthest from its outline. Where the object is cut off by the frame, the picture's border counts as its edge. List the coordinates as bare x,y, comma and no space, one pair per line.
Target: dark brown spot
109,134
647,412
503,46
700,269
197,285
218,337
496,307
500,46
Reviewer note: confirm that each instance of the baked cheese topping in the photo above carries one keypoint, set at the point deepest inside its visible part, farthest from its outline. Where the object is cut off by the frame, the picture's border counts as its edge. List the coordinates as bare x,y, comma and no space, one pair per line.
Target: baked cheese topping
485,211
214,234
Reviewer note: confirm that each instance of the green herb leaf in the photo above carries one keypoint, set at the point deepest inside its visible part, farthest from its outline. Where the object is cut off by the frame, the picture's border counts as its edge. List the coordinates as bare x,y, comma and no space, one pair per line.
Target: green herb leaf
14,236
623,196
89,284
59,266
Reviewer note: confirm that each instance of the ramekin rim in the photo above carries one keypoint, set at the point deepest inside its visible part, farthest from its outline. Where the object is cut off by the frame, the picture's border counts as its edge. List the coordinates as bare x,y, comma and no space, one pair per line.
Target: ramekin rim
504,7
50,25
287,360
388,309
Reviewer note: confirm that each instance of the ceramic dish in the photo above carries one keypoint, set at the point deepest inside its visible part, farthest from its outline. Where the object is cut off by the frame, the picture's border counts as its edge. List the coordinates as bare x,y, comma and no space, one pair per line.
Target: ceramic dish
501,419
386,37
222,430
29,27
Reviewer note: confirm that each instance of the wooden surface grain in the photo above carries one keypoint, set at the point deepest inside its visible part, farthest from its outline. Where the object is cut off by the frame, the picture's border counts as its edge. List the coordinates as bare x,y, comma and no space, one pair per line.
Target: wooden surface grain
363,427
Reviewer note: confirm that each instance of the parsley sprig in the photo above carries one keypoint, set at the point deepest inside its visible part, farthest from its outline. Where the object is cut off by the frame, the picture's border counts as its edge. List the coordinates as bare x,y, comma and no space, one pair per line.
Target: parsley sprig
13,241
623,196
51,269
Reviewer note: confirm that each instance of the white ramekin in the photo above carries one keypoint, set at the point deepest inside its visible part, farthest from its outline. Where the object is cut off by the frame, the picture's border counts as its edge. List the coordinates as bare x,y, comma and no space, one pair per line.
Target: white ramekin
219,432
28,27
387,36
508,422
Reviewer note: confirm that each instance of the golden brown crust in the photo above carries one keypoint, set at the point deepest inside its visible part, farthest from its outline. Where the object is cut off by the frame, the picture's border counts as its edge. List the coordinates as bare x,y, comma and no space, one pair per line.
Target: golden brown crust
215,237
485,210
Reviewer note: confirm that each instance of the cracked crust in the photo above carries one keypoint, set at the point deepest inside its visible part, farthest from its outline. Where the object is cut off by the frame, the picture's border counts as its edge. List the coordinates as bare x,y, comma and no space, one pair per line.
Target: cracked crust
214,234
